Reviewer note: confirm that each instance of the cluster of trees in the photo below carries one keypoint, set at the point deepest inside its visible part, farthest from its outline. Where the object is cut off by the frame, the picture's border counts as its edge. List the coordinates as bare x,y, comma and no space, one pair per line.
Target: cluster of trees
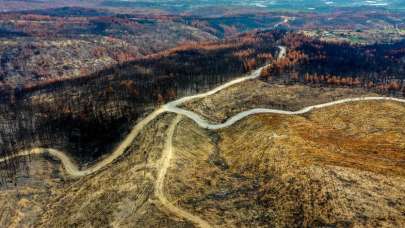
278,66
378,67
393,86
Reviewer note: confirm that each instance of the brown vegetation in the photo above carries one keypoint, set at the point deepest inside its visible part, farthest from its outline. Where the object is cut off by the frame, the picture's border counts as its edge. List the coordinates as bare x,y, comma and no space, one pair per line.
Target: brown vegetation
338,166
376,67
258,94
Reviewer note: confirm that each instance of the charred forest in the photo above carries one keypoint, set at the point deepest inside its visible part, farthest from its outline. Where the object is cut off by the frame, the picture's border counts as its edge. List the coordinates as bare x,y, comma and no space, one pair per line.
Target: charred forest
88,116
377,67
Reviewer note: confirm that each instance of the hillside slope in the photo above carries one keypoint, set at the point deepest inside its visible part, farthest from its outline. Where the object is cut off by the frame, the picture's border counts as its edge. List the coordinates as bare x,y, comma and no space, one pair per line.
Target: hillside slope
341,165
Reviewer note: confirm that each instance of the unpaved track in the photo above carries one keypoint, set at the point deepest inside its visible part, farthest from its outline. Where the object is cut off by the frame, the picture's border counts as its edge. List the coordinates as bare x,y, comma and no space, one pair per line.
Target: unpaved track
164,164
203,123
73,170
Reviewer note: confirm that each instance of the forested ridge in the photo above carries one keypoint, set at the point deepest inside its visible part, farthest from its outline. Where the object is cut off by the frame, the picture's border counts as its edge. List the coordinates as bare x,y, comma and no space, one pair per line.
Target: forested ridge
376,67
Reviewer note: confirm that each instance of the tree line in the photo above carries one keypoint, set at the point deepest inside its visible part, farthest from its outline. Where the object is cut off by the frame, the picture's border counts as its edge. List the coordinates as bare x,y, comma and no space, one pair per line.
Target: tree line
377,67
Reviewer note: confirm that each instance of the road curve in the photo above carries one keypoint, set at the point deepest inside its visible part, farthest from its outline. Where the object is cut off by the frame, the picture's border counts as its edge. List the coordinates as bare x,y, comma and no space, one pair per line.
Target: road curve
72,168
252,75
203,123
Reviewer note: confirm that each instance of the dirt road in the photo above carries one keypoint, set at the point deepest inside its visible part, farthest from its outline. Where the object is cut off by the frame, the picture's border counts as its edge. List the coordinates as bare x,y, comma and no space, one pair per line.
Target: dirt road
164,165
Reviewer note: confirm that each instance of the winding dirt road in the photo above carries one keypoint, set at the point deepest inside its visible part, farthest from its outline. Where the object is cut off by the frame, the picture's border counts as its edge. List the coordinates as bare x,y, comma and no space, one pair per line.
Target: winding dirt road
203,123
73,170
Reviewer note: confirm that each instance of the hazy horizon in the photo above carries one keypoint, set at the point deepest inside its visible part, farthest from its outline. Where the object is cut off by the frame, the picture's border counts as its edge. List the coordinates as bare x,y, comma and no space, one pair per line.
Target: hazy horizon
187,5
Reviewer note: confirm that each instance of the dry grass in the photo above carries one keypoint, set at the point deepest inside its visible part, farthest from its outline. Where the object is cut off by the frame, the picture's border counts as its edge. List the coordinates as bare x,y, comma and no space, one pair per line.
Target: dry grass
337,166
120,195
258,94
24,204
367,136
